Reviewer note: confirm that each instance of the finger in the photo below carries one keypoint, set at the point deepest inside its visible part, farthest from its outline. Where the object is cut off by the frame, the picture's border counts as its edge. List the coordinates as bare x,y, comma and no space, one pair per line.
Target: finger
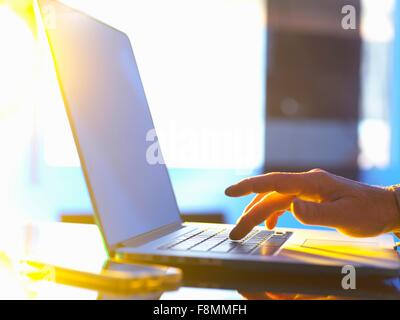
261,211
272,221
255,200
284,183
321,214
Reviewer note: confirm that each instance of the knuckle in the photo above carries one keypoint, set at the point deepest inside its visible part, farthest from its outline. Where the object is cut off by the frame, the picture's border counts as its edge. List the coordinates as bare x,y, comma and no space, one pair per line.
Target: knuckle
319,176
318,170
275,175
245,180
271,174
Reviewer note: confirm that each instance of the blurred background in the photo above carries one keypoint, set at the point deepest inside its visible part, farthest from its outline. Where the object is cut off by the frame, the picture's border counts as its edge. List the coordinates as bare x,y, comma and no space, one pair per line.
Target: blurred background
236,88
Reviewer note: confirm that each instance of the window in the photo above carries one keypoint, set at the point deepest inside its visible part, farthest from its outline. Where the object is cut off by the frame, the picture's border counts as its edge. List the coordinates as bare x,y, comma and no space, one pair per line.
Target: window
375,133
202,65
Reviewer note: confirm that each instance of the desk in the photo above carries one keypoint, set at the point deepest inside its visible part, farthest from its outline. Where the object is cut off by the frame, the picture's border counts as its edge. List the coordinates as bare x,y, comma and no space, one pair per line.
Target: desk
80,246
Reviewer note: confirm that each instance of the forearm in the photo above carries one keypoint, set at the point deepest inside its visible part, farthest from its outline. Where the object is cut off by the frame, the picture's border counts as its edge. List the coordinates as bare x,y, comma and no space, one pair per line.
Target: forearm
396,191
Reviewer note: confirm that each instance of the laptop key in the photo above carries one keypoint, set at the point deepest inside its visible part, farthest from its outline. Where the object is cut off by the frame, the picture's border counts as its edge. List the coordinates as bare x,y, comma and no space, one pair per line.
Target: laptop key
207,245
263,234
187,244
265,250
182,238
259,237
274,241
287,235
243,248
225,246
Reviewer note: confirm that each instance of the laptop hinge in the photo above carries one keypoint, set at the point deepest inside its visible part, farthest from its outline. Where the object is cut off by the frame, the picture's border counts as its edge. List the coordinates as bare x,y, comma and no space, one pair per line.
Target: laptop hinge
149,236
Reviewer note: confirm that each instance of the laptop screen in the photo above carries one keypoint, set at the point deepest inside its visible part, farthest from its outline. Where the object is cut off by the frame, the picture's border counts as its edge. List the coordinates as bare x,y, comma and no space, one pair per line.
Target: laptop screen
130,189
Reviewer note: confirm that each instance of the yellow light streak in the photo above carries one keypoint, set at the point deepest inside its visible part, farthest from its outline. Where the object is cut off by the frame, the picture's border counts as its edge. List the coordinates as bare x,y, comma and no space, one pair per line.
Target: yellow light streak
341,254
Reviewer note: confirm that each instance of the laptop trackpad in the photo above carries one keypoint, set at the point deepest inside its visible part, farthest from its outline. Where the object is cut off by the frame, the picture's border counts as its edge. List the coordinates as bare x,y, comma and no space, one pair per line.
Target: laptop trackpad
339,251
338,244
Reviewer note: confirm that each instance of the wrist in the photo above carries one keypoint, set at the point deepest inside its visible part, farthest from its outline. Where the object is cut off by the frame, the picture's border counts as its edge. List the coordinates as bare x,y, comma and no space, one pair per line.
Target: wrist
395,191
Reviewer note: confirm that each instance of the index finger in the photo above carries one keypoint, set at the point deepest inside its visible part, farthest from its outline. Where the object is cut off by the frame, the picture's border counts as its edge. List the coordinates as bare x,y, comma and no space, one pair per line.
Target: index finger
284,183
271,204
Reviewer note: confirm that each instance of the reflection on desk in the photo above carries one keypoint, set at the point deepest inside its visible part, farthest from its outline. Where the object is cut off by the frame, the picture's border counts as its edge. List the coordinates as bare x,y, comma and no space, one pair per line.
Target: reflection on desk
80,247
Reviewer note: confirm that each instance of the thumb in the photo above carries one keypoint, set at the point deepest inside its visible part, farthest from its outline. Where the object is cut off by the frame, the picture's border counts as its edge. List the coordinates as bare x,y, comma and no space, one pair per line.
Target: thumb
313,213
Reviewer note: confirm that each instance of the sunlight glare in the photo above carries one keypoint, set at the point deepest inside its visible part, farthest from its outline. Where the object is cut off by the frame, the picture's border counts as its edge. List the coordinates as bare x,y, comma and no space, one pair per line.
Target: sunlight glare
16,59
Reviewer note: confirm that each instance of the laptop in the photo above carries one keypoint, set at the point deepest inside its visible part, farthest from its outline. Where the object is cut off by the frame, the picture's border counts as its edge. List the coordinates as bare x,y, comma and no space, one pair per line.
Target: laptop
132,197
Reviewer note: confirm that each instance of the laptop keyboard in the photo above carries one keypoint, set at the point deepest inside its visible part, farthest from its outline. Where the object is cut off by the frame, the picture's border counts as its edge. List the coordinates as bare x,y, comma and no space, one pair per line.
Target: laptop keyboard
257,242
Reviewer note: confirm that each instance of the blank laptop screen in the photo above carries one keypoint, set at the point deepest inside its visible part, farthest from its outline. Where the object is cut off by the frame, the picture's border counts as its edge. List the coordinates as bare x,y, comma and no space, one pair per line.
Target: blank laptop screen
112,125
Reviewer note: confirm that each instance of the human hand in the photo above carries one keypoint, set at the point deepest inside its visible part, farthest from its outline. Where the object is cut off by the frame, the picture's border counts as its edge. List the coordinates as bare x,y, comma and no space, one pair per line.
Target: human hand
319,198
